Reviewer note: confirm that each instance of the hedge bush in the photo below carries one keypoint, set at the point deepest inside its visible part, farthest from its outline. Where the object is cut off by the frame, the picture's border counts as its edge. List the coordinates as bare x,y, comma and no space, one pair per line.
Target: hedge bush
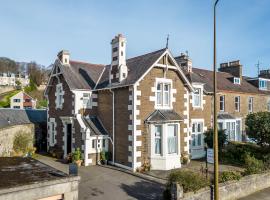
229,176
189,180
253,165
23,144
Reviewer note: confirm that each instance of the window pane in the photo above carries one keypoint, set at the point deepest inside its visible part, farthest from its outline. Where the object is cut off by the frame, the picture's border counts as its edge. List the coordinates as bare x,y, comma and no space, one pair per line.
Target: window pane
159,86
158,136
166,98
159,102
193,140
172,139
199,139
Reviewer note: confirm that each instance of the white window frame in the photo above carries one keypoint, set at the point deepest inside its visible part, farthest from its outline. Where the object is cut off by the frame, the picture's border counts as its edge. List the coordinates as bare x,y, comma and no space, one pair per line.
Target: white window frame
162,92
176,138
237,102
237,80
250,104
225,122
159,138
195,132
59,93
222,102
200,87
262,86
88,99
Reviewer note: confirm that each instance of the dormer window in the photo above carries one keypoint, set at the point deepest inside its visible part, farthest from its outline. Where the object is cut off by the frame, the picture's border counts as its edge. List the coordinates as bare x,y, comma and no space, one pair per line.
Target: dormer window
86,100
163,94
262,84
236,80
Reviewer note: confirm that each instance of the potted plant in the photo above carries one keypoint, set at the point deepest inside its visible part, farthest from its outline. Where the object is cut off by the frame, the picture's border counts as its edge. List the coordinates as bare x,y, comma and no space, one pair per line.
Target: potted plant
77,157
104,156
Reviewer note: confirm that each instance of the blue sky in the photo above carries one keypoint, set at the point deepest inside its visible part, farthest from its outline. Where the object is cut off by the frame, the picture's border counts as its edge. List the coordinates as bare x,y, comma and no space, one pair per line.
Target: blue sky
37,30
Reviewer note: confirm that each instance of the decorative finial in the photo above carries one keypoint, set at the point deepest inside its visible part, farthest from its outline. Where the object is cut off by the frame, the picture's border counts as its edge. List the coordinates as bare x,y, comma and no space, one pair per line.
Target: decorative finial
167,42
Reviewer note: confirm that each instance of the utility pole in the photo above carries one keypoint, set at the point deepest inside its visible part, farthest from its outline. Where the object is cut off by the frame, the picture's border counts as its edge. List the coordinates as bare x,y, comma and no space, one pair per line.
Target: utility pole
215,142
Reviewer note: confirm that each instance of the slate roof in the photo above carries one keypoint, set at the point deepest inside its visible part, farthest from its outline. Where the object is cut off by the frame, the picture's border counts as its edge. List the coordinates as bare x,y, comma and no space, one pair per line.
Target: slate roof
225,116
224,81
163,116
137,66
11,117
95,125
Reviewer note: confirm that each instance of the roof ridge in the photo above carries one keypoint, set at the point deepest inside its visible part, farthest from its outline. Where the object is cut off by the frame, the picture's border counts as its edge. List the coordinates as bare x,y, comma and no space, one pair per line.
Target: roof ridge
147,54
84,62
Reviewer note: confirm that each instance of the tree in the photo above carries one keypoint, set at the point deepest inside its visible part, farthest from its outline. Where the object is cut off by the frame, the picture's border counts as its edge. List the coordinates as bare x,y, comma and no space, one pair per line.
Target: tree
36,73
258,127
222,138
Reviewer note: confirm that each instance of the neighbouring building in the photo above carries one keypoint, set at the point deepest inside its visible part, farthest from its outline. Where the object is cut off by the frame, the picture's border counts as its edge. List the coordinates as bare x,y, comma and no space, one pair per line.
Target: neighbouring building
150,109
22,100
9,79
27,178
15,121
237,97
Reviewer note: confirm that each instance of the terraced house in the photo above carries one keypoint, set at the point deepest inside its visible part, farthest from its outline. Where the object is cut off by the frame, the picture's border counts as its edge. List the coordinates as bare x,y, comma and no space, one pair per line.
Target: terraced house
238,96
150,109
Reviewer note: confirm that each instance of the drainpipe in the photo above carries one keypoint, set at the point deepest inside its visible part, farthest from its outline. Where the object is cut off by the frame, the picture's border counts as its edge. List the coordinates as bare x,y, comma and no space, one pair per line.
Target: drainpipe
113,126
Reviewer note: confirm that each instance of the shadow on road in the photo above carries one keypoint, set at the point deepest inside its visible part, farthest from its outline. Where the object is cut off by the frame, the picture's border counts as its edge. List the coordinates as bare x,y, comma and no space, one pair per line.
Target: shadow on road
144,190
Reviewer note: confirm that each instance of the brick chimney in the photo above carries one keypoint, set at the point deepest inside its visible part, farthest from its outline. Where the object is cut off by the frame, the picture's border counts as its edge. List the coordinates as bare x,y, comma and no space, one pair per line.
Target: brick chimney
234,68
185,62
265,74
64,57
118,71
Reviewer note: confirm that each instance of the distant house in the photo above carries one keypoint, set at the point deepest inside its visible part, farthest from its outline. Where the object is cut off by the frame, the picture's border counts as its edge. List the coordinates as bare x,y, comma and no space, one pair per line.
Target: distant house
22,100
9,79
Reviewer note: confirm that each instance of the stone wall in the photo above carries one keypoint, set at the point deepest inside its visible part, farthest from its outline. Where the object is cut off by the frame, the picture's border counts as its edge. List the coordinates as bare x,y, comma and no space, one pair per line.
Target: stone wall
7,136
227,191
4,89
67,188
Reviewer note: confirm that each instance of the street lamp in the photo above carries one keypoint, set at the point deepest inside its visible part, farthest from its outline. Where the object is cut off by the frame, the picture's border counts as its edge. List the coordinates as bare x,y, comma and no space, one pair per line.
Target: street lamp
216,188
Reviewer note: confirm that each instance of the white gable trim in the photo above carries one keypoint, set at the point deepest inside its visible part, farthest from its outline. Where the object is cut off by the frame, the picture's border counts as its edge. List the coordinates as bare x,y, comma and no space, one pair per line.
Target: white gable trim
177,68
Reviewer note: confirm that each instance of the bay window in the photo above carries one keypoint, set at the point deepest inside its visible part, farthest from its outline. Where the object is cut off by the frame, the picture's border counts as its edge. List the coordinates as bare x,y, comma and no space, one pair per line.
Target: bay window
158,135
172,138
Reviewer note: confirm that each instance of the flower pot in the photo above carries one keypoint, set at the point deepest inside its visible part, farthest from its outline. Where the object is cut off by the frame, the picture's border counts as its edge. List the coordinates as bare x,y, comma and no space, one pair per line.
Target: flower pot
78,162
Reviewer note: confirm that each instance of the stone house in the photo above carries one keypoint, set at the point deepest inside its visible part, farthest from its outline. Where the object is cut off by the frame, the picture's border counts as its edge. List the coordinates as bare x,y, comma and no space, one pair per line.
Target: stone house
134,108
238,96
150,109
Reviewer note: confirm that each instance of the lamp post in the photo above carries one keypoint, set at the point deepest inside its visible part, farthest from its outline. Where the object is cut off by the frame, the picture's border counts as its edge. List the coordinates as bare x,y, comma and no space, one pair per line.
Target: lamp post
216,188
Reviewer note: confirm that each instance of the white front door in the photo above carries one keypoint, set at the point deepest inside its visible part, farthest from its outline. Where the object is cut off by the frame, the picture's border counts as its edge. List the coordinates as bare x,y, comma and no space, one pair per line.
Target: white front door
197,143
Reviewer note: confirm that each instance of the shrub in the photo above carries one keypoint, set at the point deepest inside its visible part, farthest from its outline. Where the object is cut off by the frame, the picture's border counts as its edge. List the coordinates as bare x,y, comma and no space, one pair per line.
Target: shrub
258,127
23,144
229,176
104,155
253,165
189,180
235,152
208,139
76,155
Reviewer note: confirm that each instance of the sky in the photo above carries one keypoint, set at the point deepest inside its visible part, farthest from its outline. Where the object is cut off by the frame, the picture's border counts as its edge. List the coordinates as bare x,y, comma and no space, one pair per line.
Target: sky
32,30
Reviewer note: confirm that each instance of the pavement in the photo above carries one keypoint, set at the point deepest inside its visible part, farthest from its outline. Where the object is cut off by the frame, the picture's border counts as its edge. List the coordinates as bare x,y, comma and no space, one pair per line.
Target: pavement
99,183
261,195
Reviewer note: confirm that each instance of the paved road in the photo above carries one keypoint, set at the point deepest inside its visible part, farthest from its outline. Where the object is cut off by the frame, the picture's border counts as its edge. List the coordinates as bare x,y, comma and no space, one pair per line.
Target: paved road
261,195
99,183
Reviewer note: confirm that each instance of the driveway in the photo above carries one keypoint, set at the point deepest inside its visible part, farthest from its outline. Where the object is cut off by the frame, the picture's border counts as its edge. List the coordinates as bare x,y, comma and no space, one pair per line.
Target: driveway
99,183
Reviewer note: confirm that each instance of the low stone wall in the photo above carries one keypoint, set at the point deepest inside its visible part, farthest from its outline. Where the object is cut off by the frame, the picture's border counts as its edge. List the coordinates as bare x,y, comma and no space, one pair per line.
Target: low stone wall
8,134
227,191
4,89
67,188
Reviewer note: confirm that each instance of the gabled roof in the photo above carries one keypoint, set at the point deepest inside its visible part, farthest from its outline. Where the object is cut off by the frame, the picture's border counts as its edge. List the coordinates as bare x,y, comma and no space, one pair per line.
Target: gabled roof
95,125
163,116
224,81
11,117
137,66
